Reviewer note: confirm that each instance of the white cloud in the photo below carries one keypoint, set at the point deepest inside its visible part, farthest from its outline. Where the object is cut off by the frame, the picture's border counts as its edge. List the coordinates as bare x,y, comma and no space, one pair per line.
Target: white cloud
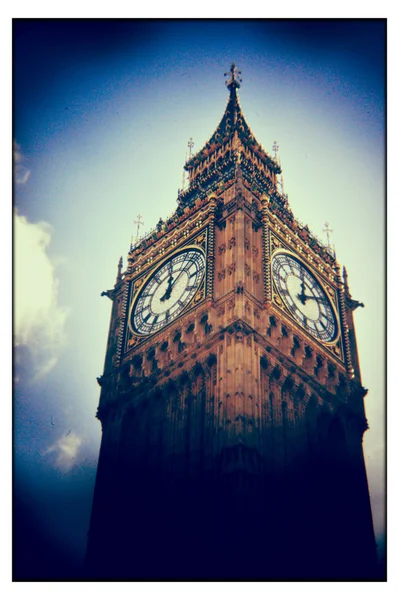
39,321
21,173
66,449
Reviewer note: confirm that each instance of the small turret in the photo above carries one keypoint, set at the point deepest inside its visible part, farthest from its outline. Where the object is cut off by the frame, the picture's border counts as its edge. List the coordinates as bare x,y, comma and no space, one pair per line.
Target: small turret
119,273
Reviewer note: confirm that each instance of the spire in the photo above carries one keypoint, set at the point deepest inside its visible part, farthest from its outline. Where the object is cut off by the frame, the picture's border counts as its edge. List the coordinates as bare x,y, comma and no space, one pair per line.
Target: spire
119,273
232,123
345,278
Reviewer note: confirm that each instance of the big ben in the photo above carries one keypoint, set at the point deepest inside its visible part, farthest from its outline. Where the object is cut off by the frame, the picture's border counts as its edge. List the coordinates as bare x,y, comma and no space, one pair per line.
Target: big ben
231,404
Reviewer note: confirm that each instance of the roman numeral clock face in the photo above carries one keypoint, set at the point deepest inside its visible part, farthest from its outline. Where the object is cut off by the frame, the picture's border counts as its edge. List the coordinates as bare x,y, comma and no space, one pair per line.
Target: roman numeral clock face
304,297
167,292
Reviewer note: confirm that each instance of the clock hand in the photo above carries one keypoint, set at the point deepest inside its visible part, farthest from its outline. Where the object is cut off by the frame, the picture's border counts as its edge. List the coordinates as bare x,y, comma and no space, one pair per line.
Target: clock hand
310,297
177,279
302,296
168,291
171,285
321,300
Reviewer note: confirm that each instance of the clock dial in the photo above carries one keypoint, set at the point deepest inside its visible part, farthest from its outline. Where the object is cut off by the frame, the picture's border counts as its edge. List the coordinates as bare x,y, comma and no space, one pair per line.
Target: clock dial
304,297
167,292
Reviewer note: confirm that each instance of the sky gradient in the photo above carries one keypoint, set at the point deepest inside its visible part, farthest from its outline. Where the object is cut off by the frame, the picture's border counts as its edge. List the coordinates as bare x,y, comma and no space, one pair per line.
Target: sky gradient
103,111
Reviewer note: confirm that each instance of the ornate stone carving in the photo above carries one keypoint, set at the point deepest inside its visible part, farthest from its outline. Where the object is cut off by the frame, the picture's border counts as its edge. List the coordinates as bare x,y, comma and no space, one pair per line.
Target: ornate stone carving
220,310
133,341
232,242
222,274
239,335
222,248
240,287
231,268
199,295
275,242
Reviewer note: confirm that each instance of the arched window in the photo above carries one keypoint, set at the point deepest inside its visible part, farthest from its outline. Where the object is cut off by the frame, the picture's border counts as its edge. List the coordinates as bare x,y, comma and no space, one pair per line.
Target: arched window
336,440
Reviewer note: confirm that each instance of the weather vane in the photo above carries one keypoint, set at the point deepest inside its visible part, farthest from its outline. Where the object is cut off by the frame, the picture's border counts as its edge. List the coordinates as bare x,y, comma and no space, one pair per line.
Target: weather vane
275,148
138,223
235,76
327,231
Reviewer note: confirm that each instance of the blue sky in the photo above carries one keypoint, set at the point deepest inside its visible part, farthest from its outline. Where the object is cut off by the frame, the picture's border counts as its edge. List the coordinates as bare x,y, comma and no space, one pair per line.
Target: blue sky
103,111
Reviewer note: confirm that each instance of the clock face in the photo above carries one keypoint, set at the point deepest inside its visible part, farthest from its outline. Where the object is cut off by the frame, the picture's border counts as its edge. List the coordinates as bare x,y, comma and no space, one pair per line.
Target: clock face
304,297
167,292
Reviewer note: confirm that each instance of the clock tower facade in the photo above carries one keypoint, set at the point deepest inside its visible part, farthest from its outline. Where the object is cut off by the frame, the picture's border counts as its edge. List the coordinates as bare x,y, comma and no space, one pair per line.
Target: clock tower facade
231,402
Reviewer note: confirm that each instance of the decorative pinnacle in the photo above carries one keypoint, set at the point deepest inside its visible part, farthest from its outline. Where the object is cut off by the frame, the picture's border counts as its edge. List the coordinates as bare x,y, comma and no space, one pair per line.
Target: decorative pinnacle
119,273
327,231
234,78
275,148
139,222
190,146
345,275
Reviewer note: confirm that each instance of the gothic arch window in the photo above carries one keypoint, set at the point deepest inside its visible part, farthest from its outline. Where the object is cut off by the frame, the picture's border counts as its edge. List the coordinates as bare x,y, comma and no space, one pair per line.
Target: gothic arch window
284,419
311,428
287,390
124,379
132,442
126,444
323,424
336,439
137,365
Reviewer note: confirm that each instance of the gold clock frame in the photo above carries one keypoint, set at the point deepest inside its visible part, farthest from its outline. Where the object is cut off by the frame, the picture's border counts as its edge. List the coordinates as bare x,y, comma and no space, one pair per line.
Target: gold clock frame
281,250
150,274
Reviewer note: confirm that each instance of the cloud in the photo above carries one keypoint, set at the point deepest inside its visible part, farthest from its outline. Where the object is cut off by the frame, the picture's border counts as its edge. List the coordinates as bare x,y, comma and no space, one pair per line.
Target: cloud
65,449
39,321
21,173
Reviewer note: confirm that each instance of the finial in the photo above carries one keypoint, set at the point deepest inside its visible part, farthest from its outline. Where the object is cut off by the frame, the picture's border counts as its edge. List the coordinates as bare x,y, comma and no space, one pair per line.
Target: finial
234,78
282,186
275,149
190,145
327,231
120,265
345,278
139,222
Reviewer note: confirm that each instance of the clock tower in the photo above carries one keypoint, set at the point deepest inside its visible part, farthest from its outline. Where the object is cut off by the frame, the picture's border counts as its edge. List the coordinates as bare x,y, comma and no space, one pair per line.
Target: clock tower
231,404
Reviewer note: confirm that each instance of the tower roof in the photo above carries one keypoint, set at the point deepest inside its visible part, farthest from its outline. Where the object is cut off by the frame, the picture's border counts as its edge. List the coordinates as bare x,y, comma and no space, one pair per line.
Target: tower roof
233,121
